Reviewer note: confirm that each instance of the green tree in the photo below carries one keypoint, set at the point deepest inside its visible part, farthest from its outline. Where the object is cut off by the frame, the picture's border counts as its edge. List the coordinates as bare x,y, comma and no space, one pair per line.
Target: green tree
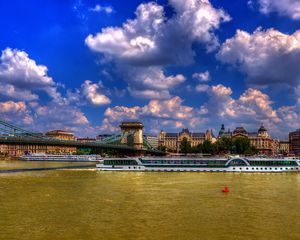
224,145
241,145
197,149
185,146
208,147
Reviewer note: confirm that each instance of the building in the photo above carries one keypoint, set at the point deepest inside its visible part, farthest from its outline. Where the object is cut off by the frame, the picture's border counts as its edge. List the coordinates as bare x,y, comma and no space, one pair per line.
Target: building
152,140
261,139
172,140
284,147
61,135
21,149
86,139
101,137
294,138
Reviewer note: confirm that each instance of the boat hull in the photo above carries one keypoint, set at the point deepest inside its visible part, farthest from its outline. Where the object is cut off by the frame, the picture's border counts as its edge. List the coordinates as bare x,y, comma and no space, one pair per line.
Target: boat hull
247,169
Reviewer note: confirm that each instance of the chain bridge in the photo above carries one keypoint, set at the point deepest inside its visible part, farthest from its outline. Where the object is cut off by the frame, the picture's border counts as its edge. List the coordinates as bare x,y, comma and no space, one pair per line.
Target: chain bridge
129,141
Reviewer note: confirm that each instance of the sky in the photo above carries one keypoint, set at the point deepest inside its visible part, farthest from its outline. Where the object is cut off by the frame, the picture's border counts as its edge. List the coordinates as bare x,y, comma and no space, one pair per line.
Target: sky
87,65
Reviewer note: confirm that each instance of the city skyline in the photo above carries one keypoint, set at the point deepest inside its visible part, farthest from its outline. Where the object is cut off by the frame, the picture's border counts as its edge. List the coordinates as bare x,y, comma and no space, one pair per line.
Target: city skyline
85,66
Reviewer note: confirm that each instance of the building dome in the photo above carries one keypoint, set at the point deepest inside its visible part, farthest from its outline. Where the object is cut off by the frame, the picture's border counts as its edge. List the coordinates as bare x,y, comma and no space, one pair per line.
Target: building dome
262,129
222,130
240,130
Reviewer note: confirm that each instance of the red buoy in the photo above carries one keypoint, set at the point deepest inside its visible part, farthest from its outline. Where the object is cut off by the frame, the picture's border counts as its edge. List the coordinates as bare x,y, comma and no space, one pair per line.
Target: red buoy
225,190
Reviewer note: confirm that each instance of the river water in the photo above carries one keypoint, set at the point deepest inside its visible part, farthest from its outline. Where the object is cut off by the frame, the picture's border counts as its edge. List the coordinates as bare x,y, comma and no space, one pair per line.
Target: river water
83,203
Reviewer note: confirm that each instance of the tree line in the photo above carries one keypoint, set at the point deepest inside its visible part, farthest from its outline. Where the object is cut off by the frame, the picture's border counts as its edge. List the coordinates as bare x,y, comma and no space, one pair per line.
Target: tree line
223,145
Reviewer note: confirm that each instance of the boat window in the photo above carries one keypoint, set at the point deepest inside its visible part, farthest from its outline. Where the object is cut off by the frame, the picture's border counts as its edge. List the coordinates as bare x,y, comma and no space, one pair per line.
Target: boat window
237,162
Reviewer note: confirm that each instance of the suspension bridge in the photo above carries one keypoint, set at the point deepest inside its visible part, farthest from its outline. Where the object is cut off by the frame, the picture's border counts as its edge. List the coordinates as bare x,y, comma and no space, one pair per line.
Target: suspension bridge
129,141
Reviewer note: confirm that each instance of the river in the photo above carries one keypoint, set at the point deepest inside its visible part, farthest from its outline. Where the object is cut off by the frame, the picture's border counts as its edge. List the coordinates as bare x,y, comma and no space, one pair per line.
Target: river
83,203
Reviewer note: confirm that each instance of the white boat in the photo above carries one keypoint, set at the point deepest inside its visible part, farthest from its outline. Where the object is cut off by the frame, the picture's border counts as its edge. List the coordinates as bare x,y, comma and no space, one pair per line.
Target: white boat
61,158
232,164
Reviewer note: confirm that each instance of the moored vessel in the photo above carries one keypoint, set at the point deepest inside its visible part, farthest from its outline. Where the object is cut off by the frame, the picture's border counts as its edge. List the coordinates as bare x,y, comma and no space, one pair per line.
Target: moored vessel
232,164
61,158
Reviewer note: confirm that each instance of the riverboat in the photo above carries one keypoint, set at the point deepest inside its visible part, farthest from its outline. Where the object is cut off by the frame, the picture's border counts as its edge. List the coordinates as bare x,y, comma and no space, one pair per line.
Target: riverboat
231,164
61,158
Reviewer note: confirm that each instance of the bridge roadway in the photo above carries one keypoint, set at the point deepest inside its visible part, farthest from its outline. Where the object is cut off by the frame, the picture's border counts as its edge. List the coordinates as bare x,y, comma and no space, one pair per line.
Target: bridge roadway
92,145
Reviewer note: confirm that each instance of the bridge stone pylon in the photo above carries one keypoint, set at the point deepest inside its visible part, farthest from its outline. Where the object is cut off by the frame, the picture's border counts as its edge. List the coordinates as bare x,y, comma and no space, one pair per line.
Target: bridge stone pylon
136,137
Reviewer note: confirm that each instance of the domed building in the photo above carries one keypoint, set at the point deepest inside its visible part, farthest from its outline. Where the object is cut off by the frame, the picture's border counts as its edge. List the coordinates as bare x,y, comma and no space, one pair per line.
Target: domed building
262,132
261,139
240,132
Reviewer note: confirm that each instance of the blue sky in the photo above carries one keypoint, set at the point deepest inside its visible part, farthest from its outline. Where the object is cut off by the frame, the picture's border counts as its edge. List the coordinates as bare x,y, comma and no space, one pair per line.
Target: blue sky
87,65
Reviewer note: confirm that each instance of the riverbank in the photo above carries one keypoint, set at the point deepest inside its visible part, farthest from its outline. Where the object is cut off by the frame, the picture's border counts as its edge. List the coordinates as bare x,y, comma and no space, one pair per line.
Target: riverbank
8,158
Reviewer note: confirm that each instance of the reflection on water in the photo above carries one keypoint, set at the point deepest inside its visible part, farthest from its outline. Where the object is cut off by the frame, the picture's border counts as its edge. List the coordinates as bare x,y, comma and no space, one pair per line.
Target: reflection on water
70,204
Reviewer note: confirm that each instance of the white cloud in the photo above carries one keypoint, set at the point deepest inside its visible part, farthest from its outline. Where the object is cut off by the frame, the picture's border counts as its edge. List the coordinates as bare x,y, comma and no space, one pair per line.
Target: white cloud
143,46
156,114
99,8
21,76
58,116
202,76
23,79
290,8
93,94
151,82
16,112
152,39
266,57
250,109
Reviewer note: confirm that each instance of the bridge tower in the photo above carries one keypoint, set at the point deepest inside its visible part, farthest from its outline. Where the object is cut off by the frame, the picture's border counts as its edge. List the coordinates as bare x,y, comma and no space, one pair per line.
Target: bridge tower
134,133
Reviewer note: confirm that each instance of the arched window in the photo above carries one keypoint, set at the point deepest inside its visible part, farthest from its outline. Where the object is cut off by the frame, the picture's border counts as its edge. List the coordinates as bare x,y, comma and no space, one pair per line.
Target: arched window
237,162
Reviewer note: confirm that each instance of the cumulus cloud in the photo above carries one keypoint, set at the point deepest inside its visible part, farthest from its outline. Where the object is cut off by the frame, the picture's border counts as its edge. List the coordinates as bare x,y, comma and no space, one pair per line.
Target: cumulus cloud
250,109
20,76
290,8
152,41
58,116
267,57
93,94
151,82
202,76
156,114
16,112
23,79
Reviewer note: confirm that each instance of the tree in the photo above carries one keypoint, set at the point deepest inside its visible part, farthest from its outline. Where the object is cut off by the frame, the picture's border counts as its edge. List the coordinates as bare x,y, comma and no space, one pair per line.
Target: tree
224,145
185,146
197,149
241,145
208,147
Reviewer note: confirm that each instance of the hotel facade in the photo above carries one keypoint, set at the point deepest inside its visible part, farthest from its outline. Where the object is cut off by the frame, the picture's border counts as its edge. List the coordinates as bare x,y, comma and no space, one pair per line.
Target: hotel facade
261,139
172,141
